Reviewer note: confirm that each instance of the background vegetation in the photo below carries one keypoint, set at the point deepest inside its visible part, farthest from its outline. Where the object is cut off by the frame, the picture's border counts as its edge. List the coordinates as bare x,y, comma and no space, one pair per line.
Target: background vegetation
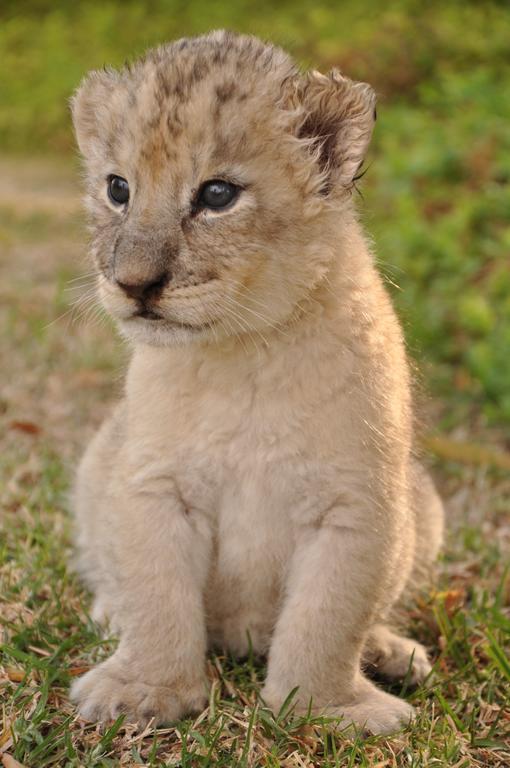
438,185
436,200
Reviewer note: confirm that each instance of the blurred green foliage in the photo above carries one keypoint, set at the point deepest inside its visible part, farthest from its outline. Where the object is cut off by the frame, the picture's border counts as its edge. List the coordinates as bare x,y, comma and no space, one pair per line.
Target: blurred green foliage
437,189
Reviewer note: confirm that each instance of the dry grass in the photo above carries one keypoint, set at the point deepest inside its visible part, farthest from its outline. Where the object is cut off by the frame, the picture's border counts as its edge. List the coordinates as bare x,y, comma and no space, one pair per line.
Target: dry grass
58,378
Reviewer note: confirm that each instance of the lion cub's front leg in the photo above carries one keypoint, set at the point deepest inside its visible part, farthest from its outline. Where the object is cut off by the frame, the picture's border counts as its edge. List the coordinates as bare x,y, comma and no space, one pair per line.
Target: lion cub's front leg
339,574
158,555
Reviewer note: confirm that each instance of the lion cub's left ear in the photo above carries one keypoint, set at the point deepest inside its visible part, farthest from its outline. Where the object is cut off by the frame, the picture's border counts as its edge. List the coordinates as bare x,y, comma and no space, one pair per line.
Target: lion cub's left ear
339,114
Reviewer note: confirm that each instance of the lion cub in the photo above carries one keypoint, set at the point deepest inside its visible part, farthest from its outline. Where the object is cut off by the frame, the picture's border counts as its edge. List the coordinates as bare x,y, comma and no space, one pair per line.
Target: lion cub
255,486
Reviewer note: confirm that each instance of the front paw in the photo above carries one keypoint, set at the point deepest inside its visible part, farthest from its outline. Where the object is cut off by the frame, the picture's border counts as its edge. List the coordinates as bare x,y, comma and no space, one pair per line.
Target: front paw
114,688
369,709
375,711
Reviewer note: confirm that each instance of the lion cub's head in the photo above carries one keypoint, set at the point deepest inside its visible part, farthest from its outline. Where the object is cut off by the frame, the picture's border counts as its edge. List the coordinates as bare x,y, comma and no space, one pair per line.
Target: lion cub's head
214,172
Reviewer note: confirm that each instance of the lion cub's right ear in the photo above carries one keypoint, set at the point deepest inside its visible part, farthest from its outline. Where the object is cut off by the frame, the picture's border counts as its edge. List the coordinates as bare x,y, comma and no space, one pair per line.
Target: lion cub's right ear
93,110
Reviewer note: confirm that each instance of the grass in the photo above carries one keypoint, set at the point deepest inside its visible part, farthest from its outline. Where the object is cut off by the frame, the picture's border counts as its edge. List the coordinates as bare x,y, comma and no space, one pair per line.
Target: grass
436,200
49,638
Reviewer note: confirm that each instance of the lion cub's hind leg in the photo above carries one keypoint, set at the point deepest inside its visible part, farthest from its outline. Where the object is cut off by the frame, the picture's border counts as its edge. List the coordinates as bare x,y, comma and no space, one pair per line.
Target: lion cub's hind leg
395,657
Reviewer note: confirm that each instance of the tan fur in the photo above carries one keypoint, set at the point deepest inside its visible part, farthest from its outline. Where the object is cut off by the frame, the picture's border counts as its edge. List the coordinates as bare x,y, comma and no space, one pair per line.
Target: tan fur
256,483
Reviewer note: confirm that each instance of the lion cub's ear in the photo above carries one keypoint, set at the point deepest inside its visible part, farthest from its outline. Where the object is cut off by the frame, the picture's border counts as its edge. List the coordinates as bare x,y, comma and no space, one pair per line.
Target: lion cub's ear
337,115
92,110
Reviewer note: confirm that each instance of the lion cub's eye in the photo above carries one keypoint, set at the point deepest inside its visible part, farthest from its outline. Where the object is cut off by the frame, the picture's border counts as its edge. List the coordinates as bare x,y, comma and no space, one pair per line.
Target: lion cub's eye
217,194
118,190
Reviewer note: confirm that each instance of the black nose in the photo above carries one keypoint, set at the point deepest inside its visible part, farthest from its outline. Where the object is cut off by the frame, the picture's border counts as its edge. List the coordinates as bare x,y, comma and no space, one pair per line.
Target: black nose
148,289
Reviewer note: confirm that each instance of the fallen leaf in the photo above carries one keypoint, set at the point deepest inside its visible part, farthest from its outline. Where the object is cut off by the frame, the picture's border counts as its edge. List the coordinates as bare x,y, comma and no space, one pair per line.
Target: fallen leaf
309,737
28,427
10,762
452,600
6,737
15,675
75,671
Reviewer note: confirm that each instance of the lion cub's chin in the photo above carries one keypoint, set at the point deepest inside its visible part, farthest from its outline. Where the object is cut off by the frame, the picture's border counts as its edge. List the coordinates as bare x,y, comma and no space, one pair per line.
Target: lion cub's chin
163,332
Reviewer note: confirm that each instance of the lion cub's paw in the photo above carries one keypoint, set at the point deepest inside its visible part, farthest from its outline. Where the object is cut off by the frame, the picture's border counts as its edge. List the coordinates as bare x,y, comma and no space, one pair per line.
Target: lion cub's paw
110,690
369,710
376,712
396,657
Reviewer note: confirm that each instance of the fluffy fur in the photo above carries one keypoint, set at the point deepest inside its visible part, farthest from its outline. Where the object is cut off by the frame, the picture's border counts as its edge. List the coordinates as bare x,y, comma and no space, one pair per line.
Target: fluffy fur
256,483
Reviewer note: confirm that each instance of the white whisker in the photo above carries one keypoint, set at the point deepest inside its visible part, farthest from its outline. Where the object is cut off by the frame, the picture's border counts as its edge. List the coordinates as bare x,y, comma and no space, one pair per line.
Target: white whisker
225,311
256,314
246,328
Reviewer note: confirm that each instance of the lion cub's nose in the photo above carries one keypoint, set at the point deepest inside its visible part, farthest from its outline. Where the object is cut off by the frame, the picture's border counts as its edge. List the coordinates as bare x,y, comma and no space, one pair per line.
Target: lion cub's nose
147,289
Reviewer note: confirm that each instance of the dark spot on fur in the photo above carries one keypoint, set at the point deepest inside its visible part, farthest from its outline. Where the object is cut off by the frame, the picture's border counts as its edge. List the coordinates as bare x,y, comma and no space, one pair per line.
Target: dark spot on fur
199,71
170,154
225,92
163,86
267,59
218,57
178,91
209,275
153,123
174,124
186,223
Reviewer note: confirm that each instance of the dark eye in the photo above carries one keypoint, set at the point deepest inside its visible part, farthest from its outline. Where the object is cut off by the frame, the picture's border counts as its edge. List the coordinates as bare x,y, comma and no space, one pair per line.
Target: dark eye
217,194
118,190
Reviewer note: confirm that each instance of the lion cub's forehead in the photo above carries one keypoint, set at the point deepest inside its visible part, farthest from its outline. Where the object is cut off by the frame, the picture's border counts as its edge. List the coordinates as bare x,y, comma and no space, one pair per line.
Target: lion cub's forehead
206,90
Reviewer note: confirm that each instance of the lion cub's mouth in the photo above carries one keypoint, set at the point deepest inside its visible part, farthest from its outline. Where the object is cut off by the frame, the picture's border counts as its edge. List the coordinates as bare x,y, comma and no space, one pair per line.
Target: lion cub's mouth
155,317
148,314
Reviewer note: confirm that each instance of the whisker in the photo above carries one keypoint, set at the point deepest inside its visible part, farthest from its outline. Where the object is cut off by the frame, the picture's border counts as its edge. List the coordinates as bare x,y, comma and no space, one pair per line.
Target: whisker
240,290
85,275
94,314
72,309
78,282
257,314
77,308
91,284
225,310
242,323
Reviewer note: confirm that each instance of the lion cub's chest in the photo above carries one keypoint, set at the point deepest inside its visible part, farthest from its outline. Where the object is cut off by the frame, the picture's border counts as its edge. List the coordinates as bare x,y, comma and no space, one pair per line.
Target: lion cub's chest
252,544
231,475
238,464
226,435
